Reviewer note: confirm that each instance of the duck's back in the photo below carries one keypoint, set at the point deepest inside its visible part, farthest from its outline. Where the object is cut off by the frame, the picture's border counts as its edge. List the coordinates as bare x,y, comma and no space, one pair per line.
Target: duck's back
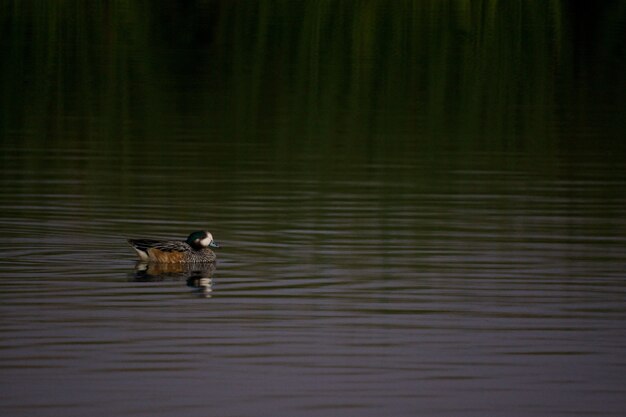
163,246
169,251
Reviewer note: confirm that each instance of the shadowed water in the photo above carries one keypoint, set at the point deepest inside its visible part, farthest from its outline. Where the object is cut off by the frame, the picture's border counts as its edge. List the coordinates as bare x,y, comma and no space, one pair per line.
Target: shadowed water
460,255
502,289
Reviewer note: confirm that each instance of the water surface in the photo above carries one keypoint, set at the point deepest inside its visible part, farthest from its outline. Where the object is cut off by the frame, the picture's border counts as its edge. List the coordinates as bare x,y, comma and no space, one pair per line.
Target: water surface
396,239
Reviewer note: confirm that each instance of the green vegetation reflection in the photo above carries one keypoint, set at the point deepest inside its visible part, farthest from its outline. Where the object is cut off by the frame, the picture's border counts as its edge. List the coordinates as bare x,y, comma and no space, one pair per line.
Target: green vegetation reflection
439,72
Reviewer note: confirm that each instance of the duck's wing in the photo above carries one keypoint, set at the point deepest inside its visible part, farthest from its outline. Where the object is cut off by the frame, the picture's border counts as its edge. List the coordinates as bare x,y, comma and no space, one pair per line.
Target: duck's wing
171,246
143,244
164,246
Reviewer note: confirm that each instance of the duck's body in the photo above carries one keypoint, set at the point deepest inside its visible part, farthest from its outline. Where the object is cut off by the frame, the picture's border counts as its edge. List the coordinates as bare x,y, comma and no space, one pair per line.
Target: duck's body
194,249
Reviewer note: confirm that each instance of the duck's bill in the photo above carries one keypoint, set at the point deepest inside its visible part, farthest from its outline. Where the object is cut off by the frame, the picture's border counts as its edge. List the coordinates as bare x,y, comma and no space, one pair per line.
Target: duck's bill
214,244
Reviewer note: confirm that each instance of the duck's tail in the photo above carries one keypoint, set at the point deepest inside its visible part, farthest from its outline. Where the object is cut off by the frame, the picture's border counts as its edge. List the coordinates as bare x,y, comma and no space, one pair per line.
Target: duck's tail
141,247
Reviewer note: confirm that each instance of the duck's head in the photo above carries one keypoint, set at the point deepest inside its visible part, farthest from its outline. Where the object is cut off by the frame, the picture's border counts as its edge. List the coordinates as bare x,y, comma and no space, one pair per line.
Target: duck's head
201,239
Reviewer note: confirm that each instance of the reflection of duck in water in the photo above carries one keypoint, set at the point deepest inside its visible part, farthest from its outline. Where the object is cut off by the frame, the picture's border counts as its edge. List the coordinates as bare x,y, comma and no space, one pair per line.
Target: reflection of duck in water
197,274
194,249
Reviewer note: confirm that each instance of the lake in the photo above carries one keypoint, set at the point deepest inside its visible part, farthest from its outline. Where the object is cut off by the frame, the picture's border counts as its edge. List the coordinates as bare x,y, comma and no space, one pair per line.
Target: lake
421,208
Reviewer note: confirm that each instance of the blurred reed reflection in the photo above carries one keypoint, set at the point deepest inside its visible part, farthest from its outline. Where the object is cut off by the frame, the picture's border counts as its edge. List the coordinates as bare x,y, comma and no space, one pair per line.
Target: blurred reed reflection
110,76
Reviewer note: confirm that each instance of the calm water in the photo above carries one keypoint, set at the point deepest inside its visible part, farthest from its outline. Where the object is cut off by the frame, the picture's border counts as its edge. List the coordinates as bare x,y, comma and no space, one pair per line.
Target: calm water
380,256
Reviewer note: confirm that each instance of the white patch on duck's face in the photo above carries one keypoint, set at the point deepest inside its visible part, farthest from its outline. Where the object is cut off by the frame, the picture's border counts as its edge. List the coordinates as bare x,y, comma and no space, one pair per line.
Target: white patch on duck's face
207,240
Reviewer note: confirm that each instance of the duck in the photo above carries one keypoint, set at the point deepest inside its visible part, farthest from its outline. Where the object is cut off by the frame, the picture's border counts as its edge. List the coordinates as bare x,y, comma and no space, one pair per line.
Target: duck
195,249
